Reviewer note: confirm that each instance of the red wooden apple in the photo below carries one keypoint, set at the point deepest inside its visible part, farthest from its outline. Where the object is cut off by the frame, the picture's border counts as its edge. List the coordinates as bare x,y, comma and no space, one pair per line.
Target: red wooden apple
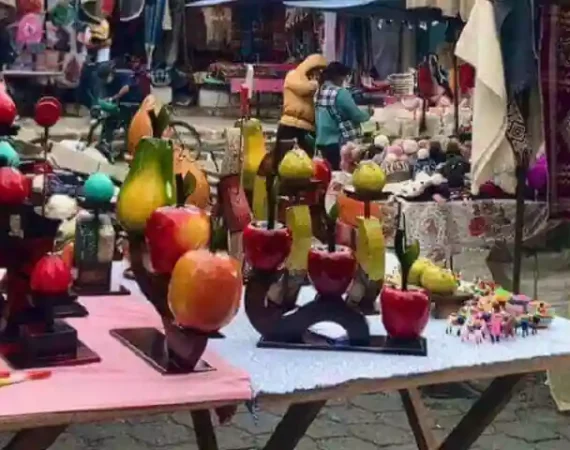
8,111
331,272
14,187
404,313
205,290
50,276
171,231
47,112
266,249
322,171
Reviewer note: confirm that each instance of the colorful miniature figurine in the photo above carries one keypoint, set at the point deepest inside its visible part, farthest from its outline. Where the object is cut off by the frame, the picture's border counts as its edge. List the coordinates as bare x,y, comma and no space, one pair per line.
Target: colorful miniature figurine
524,323
509,326
496,327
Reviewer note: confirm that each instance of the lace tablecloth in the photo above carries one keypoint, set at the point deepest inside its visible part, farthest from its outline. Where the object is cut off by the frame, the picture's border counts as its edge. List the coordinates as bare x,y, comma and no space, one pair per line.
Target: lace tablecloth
445,229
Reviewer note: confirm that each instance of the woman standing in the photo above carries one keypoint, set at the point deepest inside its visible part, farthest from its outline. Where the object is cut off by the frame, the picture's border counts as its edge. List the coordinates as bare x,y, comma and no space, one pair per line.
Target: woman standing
338,117
298,119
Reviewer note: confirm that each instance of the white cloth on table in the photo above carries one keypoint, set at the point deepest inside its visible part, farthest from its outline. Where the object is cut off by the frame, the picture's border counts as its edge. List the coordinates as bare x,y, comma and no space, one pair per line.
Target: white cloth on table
492,158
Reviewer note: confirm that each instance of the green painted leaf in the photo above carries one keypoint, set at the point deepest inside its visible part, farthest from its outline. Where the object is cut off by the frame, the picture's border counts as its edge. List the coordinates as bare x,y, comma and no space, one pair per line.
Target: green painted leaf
162,120
219,236
189,184
334,212
411,253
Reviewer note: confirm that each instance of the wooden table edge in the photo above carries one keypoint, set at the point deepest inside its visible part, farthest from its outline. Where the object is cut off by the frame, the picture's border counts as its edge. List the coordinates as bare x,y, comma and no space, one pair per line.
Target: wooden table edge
369,386
27,421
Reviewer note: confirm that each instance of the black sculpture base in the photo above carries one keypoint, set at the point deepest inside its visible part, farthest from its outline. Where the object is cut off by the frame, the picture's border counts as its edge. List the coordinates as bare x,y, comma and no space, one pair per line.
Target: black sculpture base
377,344
57,347
288,326
93,291
150,345
69,311
66,307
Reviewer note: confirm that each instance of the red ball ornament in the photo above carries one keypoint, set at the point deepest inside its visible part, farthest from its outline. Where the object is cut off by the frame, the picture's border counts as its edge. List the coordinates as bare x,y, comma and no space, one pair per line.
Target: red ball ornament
50,276
47,112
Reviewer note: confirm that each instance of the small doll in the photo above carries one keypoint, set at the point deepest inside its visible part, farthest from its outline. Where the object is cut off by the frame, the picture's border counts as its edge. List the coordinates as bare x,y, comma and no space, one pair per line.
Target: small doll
424,163
349,157
410,148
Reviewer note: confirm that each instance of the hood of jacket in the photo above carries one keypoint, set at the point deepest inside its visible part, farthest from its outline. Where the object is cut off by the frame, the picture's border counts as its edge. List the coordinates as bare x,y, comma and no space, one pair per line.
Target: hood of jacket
311,62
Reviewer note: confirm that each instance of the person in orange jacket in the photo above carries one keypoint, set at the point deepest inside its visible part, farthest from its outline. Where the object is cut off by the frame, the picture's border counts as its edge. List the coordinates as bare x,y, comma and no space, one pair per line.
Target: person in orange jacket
298,118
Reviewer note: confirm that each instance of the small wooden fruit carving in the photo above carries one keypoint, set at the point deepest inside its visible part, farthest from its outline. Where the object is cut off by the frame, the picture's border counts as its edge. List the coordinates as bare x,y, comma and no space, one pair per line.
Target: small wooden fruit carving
51,275
205,290
141,125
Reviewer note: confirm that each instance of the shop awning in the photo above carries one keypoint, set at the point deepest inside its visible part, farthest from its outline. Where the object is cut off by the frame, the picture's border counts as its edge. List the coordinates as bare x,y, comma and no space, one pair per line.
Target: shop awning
387,9
206,3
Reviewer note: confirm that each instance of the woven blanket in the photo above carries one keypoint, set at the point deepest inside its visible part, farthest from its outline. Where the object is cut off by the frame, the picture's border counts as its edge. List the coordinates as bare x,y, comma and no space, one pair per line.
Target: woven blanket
555,83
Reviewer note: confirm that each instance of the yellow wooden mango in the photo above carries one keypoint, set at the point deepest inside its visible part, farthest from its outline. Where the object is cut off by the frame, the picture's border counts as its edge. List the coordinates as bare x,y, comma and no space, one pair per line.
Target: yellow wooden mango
370,248
259,207
298,220
253,151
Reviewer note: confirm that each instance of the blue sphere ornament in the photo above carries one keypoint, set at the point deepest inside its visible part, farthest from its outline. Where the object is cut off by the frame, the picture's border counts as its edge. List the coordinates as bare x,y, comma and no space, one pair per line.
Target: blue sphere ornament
8,153
98,188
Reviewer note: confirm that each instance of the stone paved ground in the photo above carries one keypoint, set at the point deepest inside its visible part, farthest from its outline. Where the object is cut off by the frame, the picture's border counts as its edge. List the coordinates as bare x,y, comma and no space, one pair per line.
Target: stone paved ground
364,423
530,421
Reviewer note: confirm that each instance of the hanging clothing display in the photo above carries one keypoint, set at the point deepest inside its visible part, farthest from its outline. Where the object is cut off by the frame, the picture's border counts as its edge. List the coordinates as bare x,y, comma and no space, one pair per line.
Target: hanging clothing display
218,20
385,37
492,157
153,18
329,38
449,8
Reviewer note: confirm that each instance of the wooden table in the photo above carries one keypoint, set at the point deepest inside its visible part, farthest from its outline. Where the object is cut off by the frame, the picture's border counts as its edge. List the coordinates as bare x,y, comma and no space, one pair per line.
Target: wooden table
121,386
307,379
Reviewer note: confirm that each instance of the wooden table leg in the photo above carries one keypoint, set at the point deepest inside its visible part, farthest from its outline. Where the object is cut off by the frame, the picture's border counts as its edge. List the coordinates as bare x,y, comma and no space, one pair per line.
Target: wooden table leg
482,413
294,425
204,430
35,438
419,419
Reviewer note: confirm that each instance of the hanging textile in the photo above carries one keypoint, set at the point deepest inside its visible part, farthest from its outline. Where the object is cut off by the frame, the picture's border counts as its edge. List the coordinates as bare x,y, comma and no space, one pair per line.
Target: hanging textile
555,73
492,158
385,38
449,8
514,20
329,38
153,17
218,20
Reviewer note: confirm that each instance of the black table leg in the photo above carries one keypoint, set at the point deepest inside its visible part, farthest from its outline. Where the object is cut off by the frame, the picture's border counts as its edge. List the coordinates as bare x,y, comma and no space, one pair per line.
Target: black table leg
204,430
35,438
294,425
482,413
471,427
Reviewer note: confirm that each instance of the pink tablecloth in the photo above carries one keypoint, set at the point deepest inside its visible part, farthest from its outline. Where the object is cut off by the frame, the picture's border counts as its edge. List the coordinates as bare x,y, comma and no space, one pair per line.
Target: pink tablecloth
265,85
122,380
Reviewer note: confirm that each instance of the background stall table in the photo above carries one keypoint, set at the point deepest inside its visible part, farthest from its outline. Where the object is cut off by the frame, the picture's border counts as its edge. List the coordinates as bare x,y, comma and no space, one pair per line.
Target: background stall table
306,379
121,385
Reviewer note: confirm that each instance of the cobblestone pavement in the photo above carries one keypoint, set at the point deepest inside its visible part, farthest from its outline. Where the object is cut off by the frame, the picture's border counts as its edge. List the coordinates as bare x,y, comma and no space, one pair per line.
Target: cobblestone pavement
364,423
